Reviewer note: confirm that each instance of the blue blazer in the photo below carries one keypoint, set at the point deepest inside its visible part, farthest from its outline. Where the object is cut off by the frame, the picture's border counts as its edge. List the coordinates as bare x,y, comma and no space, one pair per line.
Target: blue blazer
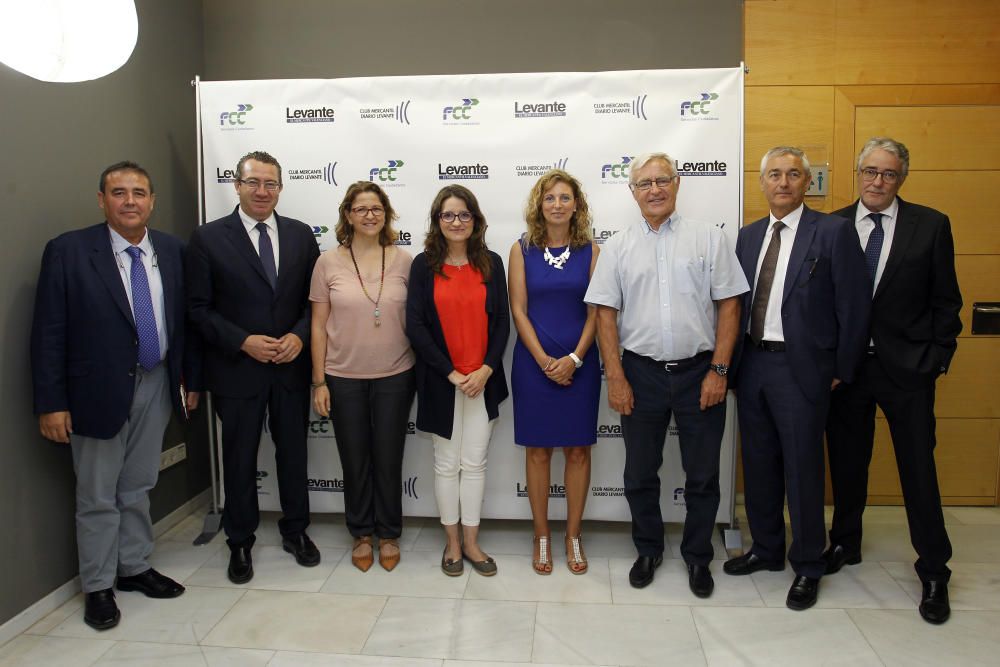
825,303
84,346
229,298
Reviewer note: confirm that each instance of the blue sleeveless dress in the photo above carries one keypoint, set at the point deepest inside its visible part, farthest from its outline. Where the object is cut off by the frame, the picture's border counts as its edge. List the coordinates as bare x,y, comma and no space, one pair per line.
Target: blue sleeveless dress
545,413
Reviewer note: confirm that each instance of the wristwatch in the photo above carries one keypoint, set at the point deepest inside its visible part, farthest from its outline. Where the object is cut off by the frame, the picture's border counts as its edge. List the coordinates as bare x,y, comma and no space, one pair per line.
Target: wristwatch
721,369
577,361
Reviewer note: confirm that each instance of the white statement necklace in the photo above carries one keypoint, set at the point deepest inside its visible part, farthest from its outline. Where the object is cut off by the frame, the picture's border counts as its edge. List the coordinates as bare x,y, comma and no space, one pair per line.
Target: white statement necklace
559,261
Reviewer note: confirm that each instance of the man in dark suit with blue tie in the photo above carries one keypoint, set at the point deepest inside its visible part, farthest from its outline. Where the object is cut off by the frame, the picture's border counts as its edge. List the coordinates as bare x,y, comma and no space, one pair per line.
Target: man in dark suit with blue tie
806,320
248,294
914,326
109,357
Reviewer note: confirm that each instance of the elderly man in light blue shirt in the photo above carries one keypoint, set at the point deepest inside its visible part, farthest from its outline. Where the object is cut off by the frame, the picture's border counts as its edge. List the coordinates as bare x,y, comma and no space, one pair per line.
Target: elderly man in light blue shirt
667,294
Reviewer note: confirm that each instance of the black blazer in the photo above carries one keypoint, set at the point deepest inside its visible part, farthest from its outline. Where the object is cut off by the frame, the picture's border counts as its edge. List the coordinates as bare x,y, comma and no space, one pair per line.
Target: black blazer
825,302
435,394
914,319
230,298
84,345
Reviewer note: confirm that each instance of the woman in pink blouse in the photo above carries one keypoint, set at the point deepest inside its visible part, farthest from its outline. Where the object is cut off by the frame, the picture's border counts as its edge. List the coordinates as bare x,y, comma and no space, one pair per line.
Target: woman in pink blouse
362,364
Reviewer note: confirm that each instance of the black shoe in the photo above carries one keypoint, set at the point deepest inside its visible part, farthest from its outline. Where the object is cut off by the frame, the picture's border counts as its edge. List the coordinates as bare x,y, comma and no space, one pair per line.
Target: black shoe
837,557
101,612
749,563
641,574
802,594
306,553
934,606
240,565
700,580
152,584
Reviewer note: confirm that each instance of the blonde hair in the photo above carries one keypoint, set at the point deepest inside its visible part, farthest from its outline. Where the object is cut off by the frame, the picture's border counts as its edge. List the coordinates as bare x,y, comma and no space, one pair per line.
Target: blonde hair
579,224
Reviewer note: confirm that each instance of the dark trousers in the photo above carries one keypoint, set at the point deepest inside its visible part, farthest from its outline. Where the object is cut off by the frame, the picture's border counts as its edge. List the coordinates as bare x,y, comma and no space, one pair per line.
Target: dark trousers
781,434
369,421
659,393
242,421
850,433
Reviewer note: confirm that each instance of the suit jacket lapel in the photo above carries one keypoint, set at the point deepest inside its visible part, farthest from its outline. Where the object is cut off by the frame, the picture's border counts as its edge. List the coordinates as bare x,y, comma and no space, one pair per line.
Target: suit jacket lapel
800,248
755,245
286,252
168,278
240,240
103,259
901,237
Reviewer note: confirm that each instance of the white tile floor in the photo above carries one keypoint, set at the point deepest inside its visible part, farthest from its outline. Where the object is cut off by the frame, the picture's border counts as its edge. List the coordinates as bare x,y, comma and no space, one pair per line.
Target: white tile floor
333,614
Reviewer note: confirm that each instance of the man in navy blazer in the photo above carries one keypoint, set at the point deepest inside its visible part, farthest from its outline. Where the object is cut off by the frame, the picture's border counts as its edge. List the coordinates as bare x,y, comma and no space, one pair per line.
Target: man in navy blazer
806,320
109,357
248,294
914,326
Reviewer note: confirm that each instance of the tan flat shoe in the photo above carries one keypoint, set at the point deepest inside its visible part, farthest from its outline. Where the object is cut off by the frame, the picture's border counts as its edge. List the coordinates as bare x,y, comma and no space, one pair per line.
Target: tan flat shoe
362,556
542,561
388,558
576,560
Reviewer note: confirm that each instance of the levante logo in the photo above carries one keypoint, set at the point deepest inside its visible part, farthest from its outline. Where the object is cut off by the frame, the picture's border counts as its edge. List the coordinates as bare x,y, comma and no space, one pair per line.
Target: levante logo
236,119
713,168
309,115
460,113
225,175
463,172
555,490
334,485
539,110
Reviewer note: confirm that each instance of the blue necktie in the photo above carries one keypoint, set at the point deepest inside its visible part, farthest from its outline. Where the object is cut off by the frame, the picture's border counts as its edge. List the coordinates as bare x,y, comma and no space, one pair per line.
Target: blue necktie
874,247
267,255
142,310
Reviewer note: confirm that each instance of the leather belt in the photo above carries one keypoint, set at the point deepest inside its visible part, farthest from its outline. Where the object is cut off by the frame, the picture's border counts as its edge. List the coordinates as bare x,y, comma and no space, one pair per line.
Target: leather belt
675,366
768,345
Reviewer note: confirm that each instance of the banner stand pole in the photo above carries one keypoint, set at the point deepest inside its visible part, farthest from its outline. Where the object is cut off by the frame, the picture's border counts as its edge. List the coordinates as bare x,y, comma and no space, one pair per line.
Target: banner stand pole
213,519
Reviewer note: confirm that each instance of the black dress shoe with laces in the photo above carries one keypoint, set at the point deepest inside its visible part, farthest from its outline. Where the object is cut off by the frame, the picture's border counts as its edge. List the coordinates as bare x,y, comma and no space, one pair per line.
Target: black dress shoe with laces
700,580
305,552
240,565
934,605
749,563
837,557
802,594
152,584
100,611
641,574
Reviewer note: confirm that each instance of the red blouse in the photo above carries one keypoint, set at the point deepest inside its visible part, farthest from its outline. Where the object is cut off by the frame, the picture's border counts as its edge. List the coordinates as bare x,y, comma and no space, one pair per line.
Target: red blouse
460,300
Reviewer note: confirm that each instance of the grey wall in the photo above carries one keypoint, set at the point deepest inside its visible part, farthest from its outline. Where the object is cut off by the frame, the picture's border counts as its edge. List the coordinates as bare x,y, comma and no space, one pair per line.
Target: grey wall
55,139
258,39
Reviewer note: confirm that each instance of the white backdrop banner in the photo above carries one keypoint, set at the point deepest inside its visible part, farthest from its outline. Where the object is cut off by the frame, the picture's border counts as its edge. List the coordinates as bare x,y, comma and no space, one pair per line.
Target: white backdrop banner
496,134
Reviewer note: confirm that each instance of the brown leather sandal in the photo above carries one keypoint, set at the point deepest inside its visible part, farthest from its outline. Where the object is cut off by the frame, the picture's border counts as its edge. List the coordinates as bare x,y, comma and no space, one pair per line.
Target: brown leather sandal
542,561
388,561
576,560
362,558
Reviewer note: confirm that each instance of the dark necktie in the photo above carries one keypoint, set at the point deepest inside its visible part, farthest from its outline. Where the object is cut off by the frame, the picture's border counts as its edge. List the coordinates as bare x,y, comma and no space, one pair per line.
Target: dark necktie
267,255
142,310
758,310
874,247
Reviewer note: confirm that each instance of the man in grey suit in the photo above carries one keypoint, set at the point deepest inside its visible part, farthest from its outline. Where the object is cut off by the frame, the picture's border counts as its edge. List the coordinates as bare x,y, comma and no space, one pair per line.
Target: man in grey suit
109,357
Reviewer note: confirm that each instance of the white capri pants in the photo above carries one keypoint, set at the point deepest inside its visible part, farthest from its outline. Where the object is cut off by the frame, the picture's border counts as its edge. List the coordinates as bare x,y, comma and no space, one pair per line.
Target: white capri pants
460,463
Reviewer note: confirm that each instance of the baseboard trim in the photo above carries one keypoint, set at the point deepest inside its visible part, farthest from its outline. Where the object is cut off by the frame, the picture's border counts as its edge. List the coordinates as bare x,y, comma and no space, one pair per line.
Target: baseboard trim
60,596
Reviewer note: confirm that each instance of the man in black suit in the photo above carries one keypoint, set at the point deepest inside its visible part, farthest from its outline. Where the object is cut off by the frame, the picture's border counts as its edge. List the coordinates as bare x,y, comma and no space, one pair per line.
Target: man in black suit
248,289
806,319
109,357
914,324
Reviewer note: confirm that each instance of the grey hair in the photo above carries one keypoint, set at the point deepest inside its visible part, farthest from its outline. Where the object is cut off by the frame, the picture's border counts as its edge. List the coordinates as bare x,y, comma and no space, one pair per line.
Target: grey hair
644,159
889,146
778,151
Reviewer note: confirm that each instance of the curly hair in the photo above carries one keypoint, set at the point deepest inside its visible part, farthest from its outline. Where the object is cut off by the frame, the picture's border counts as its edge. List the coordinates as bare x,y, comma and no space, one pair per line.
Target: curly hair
345,232
435,244
579,225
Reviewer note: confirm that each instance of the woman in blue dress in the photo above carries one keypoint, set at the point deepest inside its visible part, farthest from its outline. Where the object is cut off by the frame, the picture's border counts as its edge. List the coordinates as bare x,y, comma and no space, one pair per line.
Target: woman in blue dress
555,377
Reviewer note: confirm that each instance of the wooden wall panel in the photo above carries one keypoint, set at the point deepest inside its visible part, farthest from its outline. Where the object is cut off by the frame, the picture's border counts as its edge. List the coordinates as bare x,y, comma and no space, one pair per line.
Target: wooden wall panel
789,42
755,206
979,280
968,198
788,116
914,41
939,138
970,389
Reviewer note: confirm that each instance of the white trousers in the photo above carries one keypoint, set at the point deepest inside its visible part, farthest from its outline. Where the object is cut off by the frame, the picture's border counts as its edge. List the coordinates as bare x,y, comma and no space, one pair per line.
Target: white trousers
460,463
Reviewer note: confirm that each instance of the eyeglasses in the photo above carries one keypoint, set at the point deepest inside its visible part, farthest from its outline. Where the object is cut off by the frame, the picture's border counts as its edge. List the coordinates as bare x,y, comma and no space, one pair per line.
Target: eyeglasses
447,216
869,174
253,184
661,182
363,211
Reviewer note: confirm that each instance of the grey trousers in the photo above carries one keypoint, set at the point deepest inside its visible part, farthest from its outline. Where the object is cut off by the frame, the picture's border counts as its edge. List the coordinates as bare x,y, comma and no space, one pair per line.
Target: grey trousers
114,533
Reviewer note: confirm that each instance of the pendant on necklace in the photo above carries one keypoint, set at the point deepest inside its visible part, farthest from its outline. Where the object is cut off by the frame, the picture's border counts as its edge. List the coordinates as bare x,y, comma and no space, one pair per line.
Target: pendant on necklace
378,322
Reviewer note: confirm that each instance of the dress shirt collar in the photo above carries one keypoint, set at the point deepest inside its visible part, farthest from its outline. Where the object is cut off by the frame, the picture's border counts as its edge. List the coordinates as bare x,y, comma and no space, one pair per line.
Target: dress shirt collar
250,223
671,223
119,244
890,211
791,220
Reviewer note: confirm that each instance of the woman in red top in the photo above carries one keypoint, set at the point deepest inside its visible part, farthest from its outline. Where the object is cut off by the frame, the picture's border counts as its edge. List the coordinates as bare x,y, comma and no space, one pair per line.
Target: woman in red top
458,322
